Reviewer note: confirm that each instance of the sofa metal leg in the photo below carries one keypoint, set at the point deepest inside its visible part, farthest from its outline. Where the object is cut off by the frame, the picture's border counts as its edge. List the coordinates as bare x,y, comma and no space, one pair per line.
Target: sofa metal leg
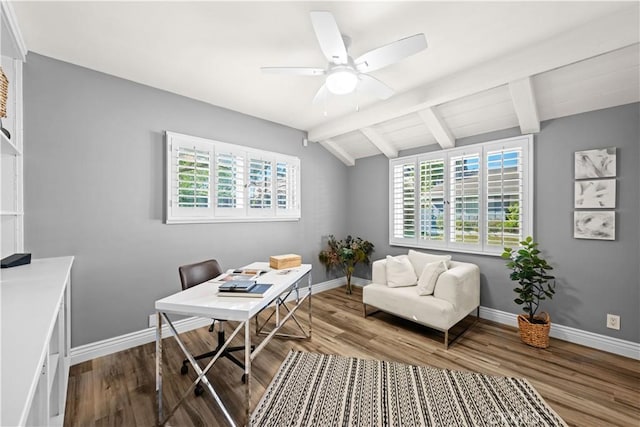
464,331
367,311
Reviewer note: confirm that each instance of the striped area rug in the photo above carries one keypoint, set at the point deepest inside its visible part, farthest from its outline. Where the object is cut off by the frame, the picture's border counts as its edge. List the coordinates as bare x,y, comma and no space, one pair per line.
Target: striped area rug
326,390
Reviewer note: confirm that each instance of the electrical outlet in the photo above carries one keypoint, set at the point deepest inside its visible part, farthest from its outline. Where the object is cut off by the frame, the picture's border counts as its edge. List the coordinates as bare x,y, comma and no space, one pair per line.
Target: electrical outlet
153,319
613,321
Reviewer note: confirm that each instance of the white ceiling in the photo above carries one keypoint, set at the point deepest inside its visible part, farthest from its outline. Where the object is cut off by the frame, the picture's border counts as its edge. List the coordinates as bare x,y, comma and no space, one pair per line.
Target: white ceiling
489,65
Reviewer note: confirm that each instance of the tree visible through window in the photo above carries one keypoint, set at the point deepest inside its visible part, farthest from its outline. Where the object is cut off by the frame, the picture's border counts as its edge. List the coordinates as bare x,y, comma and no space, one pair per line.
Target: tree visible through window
193,178
432,200
475,198
211,181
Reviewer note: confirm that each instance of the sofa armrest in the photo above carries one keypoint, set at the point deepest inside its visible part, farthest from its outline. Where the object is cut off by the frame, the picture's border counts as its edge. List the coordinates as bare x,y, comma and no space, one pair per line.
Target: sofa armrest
379,272
460,285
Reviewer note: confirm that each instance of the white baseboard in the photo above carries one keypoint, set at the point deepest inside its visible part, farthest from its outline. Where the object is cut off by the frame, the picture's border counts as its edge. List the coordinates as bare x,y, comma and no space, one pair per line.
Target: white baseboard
123,342
573,335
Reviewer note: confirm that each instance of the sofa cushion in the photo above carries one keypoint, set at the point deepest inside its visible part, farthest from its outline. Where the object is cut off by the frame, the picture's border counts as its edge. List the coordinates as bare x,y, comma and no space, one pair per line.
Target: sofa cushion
429,277
420,259
404,302
400,272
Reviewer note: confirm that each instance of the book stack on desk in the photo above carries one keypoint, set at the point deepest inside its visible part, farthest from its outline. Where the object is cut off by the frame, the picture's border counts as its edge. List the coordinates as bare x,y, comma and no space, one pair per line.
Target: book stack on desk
243,288
237,286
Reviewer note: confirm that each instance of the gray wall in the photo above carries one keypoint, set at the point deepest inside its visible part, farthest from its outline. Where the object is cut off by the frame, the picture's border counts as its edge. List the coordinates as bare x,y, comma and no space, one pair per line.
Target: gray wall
94,188
593,277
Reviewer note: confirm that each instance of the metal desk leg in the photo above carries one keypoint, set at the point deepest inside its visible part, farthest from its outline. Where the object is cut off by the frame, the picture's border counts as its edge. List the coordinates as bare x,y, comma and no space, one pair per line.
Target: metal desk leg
159,366
201,372
309,290
281,301
247,367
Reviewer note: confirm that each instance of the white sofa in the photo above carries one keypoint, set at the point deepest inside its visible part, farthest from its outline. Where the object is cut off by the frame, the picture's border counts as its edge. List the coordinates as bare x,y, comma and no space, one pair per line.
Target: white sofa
456,293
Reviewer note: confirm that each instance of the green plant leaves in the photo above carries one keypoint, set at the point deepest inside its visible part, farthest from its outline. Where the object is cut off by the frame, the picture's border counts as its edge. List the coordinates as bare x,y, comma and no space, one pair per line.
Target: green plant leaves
530,271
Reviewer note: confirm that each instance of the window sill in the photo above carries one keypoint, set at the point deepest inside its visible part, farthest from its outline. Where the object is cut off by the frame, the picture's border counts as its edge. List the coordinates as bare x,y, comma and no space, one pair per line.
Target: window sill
446,249
228,220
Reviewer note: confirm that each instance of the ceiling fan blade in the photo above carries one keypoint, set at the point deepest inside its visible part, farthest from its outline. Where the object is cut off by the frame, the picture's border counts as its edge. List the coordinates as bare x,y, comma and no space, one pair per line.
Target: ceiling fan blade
321,95
301,71
391,53
374,87
329,37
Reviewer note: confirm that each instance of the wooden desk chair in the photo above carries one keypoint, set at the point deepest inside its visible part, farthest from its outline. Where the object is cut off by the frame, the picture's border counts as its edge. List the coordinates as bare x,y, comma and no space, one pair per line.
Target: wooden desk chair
194,274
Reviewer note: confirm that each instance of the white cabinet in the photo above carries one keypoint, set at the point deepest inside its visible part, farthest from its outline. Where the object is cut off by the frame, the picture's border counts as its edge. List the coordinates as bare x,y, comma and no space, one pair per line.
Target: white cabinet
11,176
36,341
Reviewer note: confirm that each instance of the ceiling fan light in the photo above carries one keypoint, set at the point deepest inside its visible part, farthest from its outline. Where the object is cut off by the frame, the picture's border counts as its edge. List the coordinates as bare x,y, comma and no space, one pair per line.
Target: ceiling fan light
342,81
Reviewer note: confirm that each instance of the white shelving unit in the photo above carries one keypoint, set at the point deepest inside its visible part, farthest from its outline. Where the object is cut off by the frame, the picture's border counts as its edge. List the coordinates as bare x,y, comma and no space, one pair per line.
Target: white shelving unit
13,55
36,341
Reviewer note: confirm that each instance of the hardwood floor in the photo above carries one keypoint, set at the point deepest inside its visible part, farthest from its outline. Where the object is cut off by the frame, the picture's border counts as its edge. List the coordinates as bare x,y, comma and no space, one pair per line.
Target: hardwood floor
585,387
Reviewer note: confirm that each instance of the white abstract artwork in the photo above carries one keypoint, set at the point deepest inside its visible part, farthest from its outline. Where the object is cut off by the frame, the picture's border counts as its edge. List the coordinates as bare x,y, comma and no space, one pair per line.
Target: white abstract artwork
595,194
594,225
600,163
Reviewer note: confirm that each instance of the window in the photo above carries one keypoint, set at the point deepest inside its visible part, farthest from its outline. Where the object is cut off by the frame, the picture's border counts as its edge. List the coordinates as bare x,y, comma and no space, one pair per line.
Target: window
212,181
475,199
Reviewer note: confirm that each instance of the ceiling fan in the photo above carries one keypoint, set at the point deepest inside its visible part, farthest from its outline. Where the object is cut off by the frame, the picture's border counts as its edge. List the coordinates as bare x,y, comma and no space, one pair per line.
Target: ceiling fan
343,73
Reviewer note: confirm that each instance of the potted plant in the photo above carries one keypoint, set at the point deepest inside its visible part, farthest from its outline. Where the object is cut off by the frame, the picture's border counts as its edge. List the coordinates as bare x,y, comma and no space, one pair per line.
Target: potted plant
529,269
345,254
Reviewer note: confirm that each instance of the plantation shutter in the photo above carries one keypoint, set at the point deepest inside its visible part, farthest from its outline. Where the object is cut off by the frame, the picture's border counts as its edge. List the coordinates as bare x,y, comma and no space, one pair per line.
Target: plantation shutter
229,181
189,178
475,199
403,200
464,199
260,185
287,190
505,202
213,181
432,200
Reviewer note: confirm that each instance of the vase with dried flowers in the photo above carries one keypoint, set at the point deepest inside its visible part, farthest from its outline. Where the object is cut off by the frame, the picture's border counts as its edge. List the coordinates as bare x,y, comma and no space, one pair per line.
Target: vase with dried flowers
345,255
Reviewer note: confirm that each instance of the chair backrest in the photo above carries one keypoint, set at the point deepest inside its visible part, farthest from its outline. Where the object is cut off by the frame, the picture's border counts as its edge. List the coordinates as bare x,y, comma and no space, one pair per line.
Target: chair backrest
194,274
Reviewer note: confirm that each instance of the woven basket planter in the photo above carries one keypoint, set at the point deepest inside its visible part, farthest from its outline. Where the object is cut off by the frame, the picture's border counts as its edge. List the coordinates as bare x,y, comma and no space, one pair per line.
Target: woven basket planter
4,92
535,334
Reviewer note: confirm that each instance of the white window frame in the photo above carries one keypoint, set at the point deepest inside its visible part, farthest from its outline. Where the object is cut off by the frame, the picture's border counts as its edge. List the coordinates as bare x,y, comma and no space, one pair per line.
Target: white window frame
525,142
241,212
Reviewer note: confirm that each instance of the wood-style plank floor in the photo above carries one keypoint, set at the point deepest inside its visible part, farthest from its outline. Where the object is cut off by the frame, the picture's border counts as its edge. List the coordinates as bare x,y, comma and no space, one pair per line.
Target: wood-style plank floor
585,387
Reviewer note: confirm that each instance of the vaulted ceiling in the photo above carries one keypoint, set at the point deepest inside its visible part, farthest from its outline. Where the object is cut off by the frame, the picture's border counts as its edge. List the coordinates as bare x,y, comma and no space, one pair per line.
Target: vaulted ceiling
489,65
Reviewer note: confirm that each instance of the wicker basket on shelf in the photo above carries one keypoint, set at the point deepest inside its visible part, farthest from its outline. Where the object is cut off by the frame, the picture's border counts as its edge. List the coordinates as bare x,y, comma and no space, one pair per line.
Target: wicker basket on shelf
535,334
4,92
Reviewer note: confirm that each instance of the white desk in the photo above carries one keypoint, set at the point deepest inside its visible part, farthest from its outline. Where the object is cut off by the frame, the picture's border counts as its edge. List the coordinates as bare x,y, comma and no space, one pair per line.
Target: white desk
203,301
35,341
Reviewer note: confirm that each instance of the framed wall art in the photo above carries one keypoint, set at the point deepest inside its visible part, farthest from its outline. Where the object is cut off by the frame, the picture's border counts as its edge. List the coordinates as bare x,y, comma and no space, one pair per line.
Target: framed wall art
600,225
595,194
598,163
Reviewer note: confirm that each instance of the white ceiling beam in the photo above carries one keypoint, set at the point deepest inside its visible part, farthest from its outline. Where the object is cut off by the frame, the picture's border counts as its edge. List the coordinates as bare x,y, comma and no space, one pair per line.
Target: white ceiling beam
338,151
381,143
524,102
595,38
437,127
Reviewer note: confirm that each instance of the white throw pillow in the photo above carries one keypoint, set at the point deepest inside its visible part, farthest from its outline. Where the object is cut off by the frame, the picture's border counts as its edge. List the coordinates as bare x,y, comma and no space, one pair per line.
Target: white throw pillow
400,272
420,259
429,277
